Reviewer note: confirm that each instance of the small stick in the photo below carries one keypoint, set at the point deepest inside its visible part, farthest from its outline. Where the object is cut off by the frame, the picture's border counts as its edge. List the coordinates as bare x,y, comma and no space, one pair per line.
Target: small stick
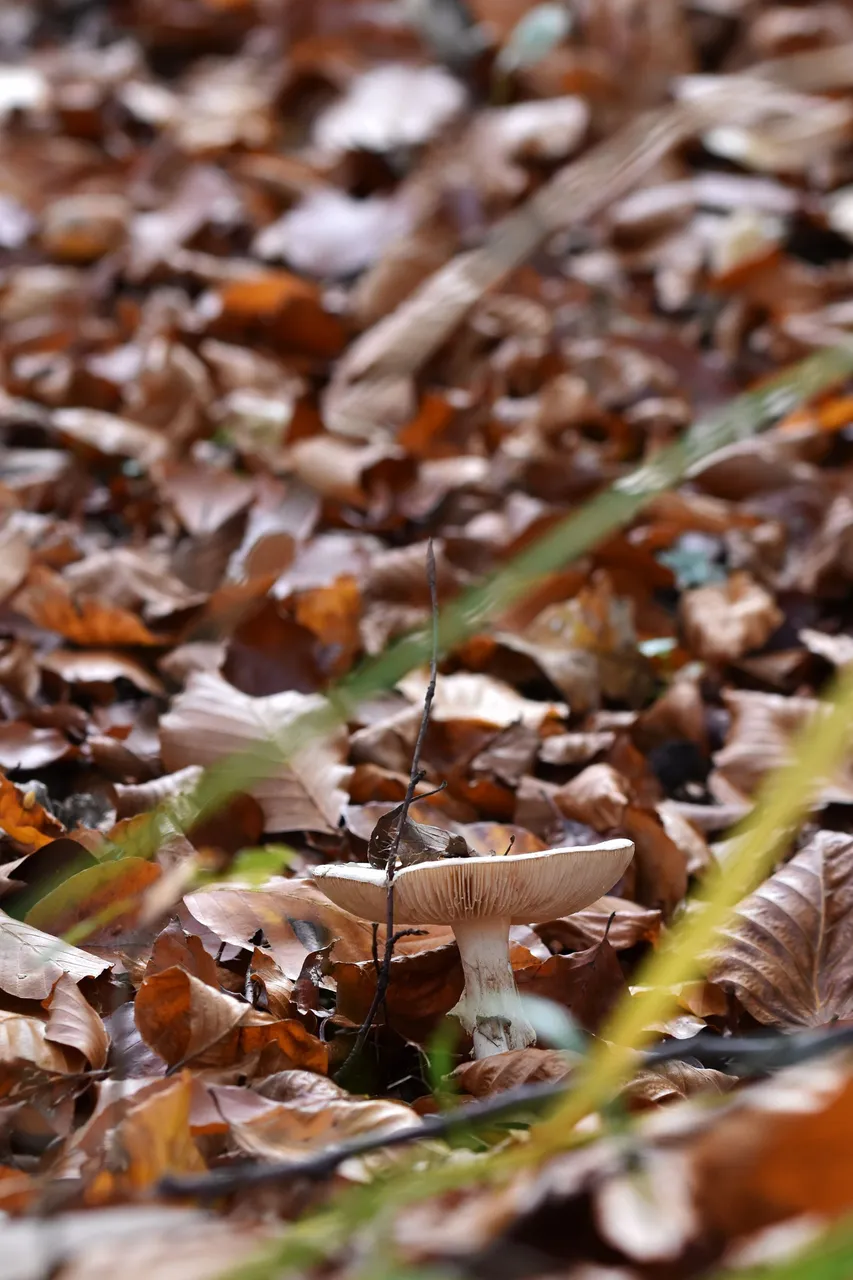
383,976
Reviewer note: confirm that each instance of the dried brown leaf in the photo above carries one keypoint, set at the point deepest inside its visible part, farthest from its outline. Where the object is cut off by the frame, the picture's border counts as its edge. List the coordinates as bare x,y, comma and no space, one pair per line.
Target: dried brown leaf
72,1021
727,620
31,962
787,953
288,1130
598,796
487,1076
625,923
212,719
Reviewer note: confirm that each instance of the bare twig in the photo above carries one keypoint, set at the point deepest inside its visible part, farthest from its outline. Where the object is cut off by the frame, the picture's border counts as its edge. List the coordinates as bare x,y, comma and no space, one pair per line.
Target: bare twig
383,975
750,1055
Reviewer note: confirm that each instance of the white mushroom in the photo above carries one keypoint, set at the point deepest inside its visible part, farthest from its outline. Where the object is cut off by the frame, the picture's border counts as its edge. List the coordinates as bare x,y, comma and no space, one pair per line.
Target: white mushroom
480,898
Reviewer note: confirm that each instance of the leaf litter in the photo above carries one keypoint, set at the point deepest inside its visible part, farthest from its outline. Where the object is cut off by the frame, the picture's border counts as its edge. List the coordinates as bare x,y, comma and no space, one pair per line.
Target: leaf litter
284,295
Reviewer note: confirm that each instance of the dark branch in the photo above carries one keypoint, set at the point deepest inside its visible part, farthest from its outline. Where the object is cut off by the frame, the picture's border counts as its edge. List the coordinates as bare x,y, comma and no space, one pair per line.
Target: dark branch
740,1055
383,976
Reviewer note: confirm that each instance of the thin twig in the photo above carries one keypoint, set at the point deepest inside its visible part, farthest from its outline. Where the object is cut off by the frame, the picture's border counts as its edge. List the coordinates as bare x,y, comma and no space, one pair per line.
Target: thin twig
741,1055
384,973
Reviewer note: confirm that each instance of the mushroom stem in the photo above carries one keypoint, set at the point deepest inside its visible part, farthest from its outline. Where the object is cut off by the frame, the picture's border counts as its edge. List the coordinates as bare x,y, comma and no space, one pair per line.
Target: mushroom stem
490,1007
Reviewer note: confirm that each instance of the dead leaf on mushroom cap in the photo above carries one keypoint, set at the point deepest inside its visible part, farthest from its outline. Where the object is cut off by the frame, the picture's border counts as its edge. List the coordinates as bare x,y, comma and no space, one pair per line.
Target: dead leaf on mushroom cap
211,720
297,919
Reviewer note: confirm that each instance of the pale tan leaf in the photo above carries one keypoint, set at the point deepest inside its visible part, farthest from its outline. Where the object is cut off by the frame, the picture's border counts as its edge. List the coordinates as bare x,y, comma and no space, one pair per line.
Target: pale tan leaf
759,740
465,696
598,796
280,1130
31,961
296,918
24,1040
788,953
110,435
72,1021
723,621
212,720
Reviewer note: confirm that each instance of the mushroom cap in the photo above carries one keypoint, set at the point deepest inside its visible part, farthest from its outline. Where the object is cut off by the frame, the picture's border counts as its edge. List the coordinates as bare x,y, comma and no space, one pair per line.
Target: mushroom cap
520,887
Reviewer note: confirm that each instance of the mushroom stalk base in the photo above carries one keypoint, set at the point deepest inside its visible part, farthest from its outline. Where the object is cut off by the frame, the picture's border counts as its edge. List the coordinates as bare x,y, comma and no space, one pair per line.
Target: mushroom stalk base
490,1007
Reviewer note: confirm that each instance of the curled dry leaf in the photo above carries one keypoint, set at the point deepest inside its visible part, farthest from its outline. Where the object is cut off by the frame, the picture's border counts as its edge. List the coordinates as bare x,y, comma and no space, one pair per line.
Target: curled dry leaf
464,696
24,819
724,621
92,667
288,1130
31,962
24,1040
787,953
86,620
588,983
179,1016
598,796
486,1076
626,924
152,1139
211,720
73,1022
422,989
759,740
672,1081
184,1020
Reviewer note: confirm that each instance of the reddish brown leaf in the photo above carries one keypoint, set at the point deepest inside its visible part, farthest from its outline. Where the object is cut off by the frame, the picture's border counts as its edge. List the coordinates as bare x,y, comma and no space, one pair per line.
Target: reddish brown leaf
588,983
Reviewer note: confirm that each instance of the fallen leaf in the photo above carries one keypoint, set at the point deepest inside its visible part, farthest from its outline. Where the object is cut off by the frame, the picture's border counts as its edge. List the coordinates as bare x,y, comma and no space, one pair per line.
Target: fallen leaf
23,1041
724,621
390,106
85,620
490,702
588,983
786,954
598,796
23,747
93,668
422,989
31,962
288,1130
153,1139
487,1076
112,887
72,1021
211,720
626,924
670,1082
759,740
111,435
24,819
180,1017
